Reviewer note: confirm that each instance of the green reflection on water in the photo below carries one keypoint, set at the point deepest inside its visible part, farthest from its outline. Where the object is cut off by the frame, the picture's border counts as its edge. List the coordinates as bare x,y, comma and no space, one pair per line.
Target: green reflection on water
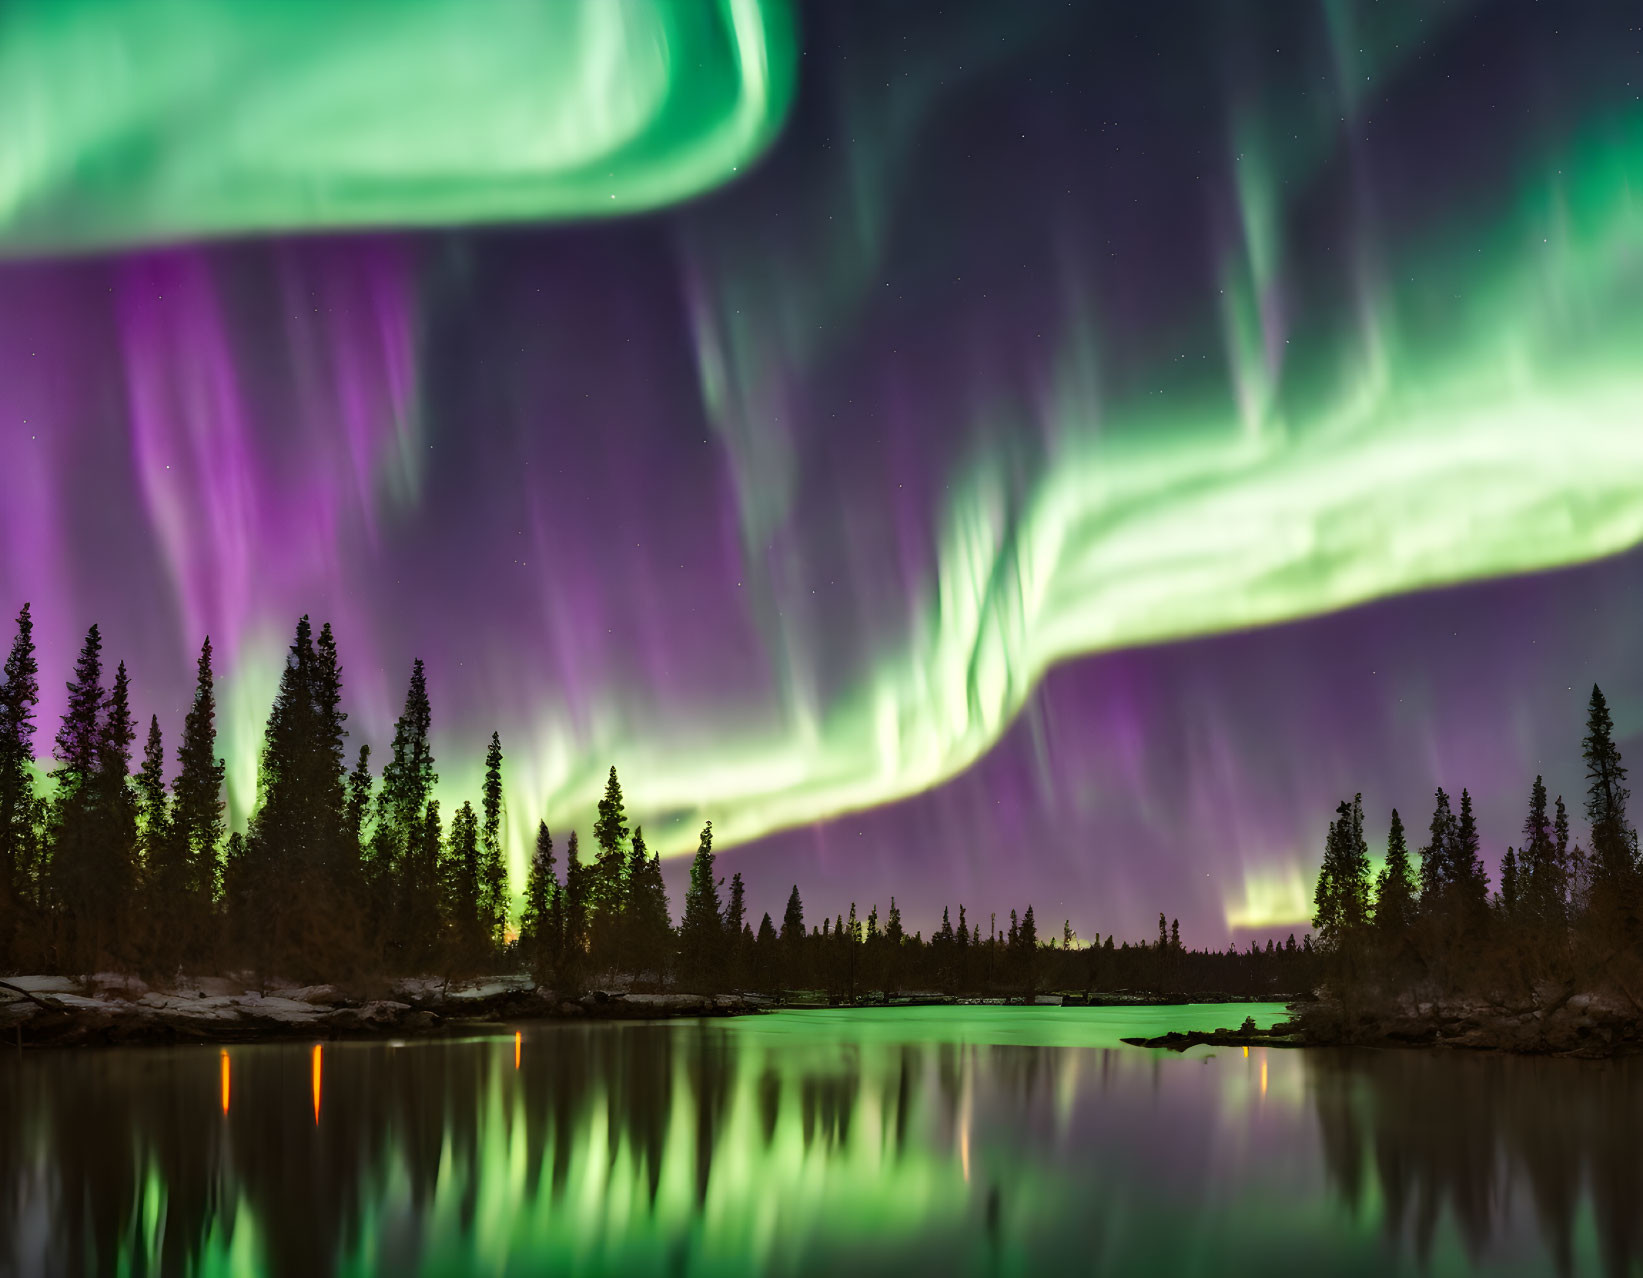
953,1140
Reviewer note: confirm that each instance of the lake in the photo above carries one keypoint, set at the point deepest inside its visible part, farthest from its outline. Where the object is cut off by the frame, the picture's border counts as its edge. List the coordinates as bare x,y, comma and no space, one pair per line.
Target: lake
956,1140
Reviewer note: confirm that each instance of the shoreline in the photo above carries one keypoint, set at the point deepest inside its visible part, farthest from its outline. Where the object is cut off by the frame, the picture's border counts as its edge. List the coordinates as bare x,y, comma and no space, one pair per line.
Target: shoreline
1579,1026
1583,1025
108,1010
53,1012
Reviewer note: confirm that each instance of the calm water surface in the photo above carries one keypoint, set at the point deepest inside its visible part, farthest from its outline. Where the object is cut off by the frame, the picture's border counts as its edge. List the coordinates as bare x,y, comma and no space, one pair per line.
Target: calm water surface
941,1140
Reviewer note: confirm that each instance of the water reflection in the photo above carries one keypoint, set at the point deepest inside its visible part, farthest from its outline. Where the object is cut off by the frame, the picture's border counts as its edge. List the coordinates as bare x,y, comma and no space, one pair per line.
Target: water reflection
1504,1150
956,1141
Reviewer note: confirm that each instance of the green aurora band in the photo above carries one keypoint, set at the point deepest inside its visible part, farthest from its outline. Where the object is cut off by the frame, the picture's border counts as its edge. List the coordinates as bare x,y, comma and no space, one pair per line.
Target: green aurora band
1502,439
134,122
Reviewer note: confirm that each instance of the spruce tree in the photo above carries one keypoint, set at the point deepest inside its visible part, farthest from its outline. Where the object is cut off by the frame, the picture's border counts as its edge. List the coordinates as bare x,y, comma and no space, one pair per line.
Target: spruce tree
408,781
1341,901
421,915
852,945
1027,964
793,916
574,924
651,928
237,878
409,778
77,846
736,910
894,942
792,939
941,951
738,933
1539,868
1471,879
1580,881
359,802
1560,836
164,874
644,934
1508,899
1395,886
197,808
330,912
493,875
330,765
1613,850
80,737
165,864
73,842
1436,872
114,851
701,931
19,700
541,921
462,884
766,955
607,886
283,845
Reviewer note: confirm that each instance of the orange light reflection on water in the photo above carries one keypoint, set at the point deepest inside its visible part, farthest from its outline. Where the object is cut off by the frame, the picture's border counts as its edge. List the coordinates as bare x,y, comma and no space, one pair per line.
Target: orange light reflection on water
518,1042
316,1076
223,1069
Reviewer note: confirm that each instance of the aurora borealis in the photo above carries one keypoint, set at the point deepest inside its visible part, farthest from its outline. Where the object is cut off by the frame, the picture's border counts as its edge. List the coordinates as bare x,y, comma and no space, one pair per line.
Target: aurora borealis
967,452
135,123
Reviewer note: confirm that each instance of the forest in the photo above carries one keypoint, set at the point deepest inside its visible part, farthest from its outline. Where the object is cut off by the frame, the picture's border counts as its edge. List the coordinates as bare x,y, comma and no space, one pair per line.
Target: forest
1564,917
345,874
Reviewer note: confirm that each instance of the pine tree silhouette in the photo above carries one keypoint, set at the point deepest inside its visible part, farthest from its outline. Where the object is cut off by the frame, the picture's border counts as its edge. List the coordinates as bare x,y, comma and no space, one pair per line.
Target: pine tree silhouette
1027,960
73,838
1437,871
402,799
1471,879
541,919
736,933
493,874
792,939
574,926
462,889
701,932
197,813
1395,888
1614,844
647,926
19,806
607,884
165,868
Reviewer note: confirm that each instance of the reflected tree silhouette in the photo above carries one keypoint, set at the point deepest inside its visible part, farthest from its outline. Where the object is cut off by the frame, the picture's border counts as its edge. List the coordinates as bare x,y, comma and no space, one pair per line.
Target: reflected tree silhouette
702,1146
1443,1136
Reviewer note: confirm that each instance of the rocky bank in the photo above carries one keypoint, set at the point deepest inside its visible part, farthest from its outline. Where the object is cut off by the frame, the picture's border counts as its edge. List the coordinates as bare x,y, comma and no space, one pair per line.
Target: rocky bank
1594,1024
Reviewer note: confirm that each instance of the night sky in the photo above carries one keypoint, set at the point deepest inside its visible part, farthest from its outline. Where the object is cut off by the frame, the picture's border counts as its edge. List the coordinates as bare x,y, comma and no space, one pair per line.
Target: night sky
972,452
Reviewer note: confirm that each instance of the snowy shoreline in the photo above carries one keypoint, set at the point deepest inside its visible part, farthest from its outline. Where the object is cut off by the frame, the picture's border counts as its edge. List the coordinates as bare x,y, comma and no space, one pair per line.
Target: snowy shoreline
112,1010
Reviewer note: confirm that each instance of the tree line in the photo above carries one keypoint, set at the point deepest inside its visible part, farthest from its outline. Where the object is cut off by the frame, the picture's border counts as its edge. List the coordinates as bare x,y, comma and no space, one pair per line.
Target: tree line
344,872
111,866
1562,912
